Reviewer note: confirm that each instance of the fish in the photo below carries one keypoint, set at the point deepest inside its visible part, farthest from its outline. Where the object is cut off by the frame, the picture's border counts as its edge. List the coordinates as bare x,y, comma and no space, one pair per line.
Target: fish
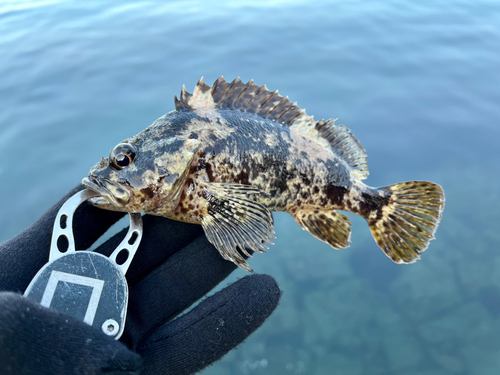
232,153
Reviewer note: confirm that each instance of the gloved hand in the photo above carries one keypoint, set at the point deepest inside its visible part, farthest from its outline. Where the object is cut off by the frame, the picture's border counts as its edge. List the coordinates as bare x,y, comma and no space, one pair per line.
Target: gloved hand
173,268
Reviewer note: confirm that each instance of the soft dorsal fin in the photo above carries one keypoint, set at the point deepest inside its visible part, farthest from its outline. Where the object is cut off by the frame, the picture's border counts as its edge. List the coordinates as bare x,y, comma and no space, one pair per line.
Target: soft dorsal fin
345,145
248,97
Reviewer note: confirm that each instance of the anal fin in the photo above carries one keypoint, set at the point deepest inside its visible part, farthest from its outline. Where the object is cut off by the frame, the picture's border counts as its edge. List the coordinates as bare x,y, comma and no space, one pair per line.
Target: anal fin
331,227
234,220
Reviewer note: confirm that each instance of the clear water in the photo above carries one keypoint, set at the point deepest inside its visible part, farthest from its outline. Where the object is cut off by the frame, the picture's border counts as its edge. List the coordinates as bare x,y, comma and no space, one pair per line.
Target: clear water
418,84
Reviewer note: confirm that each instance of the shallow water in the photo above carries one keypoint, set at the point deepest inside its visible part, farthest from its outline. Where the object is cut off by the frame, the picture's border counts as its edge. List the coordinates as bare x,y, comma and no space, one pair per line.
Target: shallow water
417,83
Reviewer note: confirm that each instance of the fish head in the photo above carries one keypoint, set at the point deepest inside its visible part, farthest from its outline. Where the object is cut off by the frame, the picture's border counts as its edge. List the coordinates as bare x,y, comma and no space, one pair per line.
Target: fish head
143,174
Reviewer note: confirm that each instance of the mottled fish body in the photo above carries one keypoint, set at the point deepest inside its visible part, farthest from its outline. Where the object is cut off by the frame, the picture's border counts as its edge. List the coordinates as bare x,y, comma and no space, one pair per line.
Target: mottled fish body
233,152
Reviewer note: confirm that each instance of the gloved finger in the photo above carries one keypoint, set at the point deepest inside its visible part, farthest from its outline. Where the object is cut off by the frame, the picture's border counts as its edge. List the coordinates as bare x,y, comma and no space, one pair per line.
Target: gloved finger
174,286
161,239
37,340
218,324
22,256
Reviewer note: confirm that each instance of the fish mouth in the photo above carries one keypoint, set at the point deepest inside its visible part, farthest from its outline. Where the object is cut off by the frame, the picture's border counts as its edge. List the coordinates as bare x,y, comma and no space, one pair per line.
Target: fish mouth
113,192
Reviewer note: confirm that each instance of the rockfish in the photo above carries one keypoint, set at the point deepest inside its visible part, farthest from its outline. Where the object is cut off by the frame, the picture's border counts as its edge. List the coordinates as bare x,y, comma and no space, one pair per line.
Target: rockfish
231,153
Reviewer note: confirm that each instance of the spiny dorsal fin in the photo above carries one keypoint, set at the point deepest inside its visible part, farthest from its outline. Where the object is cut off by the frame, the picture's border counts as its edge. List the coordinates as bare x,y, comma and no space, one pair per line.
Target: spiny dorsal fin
248,97
245,97
200,99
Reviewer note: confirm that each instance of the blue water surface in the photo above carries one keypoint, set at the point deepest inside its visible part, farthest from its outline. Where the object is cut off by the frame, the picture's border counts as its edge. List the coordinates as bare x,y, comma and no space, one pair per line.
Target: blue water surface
417,82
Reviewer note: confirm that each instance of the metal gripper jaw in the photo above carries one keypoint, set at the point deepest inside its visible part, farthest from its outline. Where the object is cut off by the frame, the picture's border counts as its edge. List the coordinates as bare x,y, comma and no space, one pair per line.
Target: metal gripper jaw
83,284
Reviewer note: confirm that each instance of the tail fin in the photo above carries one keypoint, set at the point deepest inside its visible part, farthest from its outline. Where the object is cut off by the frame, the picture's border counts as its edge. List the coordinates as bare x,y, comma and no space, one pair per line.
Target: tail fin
409,220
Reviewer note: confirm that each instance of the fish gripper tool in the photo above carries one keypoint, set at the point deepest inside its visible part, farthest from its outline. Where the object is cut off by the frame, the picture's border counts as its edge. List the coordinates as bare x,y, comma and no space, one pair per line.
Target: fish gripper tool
84,284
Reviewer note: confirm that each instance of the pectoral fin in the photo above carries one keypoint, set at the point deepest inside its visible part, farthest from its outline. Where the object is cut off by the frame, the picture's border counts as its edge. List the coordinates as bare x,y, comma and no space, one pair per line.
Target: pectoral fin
333,227
234,220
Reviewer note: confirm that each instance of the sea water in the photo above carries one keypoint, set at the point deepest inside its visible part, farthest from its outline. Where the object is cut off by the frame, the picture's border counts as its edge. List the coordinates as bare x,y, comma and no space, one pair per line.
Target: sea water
417,82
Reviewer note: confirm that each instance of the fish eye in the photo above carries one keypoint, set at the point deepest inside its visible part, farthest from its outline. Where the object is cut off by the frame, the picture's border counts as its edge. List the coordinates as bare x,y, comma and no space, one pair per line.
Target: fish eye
121,156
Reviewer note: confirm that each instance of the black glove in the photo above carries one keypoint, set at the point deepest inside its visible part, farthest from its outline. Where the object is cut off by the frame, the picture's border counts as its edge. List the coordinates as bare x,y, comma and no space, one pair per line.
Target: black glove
173,268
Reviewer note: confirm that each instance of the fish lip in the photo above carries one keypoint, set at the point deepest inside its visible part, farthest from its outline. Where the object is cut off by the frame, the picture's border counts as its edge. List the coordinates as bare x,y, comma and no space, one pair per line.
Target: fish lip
99,186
